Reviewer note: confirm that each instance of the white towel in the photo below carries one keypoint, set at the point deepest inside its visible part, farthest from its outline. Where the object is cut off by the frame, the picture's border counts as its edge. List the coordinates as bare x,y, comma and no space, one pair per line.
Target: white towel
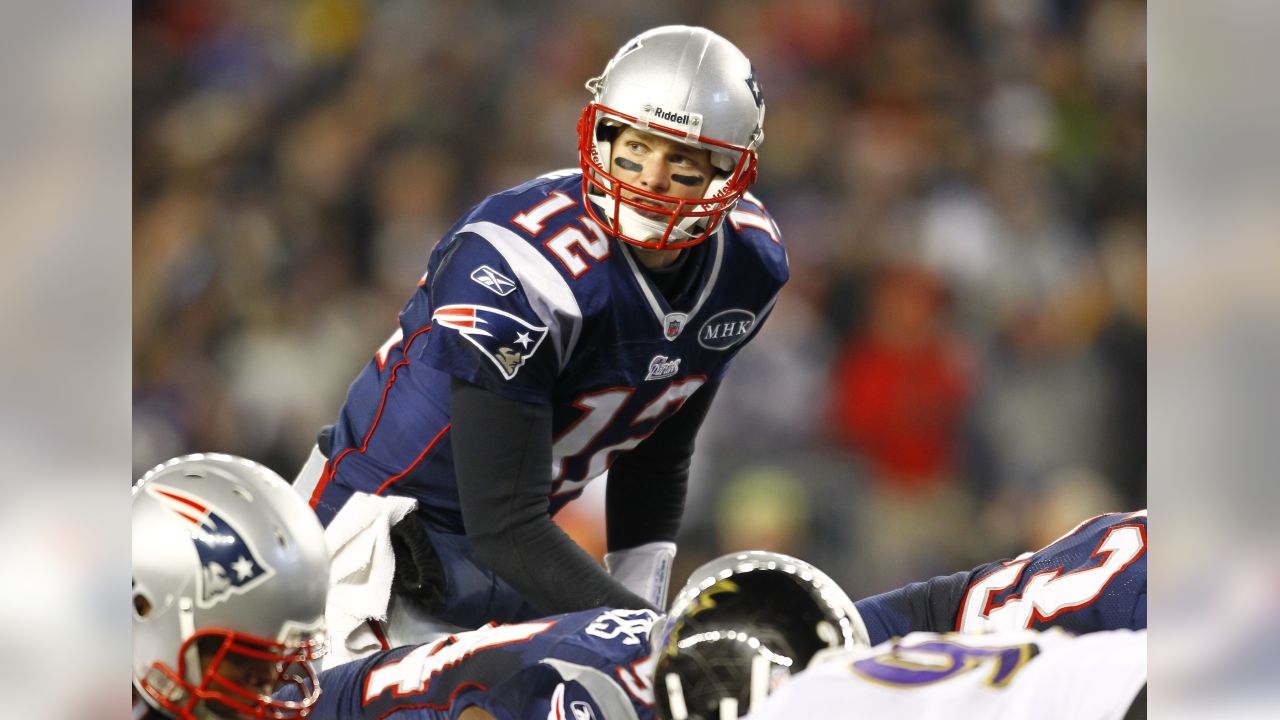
644,570
361,567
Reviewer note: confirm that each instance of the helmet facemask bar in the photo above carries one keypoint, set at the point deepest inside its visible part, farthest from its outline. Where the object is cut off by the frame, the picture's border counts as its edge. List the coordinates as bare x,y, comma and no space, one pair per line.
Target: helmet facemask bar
679,222
206,685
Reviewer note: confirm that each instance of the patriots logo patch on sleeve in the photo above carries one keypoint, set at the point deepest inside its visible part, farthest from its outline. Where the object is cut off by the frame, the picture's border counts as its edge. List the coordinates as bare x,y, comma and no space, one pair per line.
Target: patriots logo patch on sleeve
505,339
228,564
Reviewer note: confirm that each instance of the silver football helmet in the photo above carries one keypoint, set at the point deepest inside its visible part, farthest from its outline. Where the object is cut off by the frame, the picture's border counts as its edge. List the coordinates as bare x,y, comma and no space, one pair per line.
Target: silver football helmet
689,85
230,575
743,624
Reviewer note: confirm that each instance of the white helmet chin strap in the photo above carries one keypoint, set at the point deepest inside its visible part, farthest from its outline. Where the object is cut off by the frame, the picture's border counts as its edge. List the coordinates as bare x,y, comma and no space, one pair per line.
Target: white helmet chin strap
635,225
187,628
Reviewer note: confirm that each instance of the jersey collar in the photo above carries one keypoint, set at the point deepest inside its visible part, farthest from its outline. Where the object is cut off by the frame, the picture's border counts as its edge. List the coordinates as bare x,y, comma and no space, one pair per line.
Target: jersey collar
672,322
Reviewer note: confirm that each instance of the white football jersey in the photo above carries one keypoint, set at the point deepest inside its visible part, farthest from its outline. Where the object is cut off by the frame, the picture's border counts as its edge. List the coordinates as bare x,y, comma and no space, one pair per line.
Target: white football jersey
1022,674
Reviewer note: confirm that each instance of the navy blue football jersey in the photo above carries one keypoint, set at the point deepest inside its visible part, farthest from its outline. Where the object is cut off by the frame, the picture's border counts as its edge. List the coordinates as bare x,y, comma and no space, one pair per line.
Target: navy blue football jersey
589,665
1092,578
528,297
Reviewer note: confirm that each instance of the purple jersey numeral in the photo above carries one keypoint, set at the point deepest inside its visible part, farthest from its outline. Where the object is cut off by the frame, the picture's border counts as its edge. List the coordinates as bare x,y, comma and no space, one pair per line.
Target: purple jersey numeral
937,660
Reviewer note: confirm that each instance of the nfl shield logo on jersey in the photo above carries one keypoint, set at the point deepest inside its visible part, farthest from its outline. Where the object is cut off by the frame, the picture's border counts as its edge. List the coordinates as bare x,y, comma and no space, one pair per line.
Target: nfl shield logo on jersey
674,323
228,564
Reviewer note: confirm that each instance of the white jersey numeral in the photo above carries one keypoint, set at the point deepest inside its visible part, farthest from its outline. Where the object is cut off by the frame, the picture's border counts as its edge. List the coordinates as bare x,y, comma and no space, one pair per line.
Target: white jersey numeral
601,410
567,244
570,244
385,350
637,679
533,219
745,218
411,673
1048,593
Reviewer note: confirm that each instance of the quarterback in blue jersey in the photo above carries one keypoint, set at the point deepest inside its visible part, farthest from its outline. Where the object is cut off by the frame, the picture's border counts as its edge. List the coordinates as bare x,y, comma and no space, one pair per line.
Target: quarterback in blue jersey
576,324
1092,578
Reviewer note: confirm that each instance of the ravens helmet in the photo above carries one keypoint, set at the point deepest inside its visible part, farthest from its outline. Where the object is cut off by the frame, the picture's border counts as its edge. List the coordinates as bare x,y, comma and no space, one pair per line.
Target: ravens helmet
741,626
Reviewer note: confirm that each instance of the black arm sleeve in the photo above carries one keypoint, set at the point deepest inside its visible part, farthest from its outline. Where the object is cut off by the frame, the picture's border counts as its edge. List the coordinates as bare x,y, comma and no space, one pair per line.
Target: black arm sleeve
502,453
646,489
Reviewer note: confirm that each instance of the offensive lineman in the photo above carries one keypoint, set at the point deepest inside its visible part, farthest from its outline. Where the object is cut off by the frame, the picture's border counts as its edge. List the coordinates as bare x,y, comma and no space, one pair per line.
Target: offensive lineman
1092,578
745,623
596,659
1021,674
229,580
577,324
592,664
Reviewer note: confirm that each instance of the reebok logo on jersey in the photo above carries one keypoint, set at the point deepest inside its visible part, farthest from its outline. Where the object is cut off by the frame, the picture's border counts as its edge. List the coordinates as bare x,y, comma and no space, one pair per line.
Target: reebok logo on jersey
505,339
494,280
581,710
228,563
726,329
662,367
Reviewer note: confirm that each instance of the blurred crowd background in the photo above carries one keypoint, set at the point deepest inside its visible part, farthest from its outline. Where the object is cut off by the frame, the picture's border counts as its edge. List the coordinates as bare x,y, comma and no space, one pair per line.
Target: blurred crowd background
956,372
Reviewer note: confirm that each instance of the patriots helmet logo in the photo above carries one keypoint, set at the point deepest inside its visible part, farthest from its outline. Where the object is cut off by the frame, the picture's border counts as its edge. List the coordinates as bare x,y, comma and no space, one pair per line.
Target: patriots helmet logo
753,84
228,563
508,341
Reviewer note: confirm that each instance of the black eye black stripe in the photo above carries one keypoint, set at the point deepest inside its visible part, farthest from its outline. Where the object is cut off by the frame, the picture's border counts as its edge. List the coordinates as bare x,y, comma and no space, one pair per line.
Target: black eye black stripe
633,166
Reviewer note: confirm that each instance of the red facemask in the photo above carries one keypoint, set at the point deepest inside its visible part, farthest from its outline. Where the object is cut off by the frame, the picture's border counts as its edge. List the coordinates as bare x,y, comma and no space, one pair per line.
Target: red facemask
238,676
683,221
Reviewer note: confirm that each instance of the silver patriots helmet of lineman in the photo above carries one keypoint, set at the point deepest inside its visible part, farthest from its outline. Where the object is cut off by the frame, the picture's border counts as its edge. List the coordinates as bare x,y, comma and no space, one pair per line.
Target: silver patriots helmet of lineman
741,626
230,576
689,85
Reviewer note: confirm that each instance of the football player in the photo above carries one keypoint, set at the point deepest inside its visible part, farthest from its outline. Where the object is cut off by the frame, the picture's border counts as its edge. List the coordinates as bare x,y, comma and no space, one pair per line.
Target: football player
596,661
576,324
230,574
592,664
740,628
1019,674
1092,578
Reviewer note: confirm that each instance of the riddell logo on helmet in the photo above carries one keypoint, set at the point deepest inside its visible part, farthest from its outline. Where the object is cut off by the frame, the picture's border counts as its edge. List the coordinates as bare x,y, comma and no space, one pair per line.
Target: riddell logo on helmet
673,117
